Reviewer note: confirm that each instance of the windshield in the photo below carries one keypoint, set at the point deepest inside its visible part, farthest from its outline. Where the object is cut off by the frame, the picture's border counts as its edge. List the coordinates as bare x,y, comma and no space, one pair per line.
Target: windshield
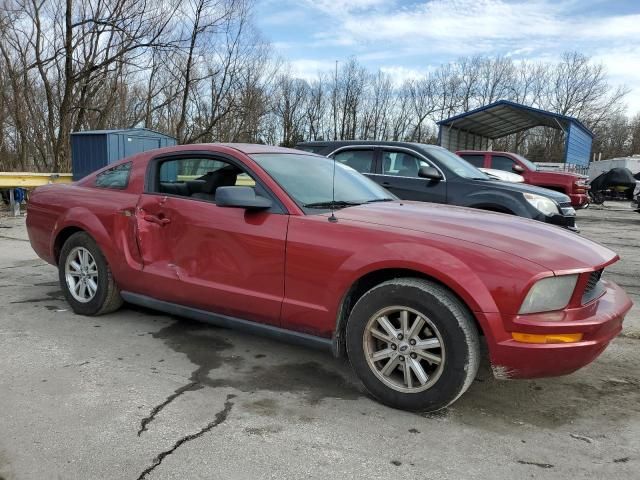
456,164
308,179
529,164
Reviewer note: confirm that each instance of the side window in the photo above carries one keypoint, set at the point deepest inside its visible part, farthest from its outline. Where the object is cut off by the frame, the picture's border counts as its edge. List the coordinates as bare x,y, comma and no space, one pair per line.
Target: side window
502,163
360,160
401,164
475,160
199,177
116,177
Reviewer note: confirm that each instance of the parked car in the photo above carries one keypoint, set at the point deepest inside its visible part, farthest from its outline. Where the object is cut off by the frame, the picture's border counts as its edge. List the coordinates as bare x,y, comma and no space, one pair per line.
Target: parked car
502,175
307,249
635,202
429,173
571,184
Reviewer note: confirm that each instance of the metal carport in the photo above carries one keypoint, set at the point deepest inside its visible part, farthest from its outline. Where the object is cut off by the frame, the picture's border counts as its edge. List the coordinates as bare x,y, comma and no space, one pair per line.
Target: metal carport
474,130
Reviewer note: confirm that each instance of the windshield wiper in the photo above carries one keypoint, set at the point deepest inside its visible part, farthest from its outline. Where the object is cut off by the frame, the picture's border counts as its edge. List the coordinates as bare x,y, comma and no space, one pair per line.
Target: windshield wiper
332,204
380,200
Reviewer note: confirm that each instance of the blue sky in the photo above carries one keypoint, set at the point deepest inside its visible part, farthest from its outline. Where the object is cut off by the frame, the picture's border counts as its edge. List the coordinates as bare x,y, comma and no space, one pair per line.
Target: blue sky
407,38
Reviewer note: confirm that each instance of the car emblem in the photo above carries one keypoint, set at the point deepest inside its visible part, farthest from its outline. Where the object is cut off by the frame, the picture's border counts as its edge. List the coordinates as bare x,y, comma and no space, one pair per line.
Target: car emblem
403,348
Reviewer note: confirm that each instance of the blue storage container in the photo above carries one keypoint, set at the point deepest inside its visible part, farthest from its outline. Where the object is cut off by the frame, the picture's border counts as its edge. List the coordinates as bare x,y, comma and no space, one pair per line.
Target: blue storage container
94,149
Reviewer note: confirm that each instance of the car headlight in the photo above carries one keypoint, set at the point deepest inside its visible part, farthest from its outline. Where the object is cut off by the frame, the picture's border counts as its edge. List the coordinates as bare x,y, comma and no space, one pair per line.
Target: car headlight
542,204
548,294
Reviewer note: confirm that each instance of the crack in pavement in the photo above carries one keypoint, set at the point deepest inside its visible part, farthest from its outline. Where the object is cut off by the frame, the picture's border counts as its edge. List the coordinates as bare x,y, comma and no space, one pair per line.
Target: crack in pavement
537,464
187,338
221,416
158,408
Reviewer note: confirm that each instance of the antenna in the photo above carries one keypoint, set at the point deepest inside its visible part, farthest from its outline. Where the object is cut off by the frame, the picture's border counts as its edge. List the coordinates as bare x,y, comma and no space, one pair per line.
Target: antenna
333,218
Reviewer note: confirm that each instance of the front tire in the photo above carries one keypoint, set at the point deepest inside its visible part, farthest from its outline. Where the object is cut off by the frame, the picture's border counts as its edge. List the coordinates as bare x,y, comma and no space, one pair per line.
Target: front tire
413,344
85,277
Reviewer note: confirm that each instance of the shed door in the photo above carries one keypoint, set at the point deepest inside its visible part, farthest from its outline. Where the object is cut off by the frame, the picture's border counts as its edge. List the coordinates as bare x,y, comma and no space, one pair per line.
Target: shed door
135,145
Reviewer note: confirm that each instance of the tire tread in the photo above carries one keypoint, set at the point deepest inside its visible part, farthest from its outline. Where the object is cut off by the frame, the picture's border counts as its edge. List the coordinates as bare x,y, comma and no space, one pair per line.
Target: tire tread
458,309
112,300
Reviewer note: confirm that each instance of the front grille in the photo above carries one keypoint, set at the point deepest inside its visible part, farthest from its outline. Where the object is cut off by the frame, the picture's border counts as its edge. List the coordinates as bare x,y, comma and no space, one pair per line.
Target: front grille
594,287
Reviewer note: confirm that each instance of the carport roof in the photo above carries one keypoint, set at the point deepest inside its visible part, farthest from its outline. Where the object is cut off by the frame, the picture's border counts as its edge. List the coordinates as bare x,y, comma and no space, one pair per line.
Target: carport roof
504,117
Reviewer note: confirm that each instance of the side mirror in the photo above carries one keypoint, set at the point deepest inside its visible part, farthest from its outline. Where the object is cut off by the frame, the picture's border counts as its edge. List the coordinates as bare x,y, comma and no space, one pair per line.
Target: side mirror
241,197
430,173
517,168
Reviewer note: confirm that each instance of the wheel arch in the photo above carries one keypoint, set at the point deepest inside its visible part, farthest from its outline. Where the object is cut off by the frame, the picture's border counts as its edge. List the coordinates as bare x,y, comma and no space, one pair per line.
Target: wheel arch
491,207
80,219
375,277
61,238
503,201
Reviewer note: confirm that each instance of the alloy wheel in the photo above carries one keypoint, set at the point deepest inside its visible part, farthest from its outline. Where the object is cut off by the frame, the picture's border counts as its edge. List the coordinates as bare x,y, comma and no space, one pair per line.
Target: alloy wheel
81,274
404,349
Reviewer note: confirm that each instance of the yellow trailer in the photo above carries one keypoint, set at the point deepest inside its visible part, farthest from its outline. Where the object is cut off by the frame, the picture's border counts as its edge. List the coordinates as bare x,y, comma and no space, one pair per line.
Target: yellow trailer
32,180
11,180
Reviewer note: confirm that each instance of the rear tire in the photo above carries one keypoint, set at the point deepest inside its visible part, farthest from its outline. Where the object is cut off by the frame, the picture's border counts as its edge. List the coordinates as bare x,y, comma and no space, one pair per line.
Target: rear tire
413,344
85,277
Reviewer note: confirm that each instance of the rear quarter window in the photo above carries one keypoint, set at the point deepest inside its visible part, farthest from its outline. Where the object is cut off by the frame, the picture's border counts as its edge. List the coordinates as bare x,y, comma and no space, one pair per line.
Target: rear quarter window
116,177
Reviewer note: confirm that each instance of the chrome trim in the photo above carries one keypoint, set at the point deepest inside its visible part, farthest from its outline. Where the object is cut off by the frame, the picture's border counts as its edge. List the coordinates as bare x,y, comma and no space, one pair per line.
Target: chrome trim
391,147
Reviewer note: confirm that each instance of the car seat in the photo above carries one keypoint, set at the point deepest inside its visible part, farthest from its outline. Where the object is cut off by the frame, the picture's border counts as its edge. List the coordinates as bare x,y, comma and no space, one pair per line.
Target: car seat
224,177
386,162
360,163
408,167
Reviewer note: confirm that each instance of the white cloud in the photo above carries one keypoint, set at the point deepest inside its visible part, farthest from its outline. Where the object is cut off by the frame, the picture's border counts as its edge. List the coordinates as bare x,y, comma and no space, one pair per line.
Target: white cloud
405,40
399,74
345,7
472,26
623,67
309,69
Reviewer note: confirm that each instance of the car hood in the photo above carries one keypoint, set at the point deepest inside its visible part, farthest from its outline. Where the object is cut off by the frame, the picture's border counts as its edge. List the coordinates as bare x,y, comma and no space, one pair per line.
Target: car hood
552,247
558,197
564,177
502,175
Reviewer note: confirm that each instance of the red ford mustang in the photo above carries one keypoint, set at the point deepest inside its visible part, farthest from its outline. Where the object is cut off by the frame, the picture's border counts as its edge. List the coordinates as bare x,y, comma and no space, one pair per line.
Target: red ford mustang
244,236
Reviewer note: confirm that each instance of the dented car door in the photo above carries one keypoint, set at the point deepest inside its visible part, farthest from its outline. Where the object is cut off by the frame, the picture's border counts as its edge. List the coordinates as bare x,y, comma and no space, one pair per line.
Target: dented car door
226,260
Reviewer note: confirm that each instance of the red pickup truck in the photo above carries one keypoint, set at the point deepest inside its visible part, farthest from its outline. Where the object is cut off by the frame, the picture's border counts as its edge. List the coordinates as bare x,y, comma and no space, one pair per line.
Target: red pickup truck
570,184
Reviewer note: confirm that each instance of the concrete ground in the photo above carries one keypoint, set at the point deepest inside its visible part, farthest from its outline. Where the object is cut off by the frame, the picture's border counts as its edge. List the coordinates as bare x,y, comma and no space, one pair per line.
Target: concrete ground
137,394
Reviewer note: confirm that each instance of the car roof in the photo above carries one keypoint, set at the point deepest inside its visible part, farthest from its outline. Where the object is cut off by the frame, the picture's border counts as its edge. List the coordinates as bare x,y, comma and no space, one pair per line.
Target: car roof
251,148
246,148
486,151
373,143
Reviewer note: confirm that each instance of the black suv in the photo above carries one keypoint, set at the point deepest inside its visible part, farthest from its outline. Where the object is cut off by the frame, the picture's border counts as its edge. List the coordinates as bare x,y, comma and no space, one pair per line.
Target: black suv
429,173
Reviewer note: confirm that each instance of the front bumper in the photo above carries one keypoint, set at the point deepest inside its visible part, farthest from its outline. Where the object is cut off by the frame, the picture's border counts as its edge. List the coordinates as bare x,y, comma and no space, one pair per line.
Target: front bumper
566,219
599,322
579,200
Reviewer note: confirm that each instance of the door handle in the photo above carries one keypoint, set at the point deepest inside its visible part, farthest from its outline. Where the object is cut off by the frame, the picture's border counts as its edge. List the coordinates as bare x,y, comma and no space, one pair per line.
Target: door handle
160,221
386,184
